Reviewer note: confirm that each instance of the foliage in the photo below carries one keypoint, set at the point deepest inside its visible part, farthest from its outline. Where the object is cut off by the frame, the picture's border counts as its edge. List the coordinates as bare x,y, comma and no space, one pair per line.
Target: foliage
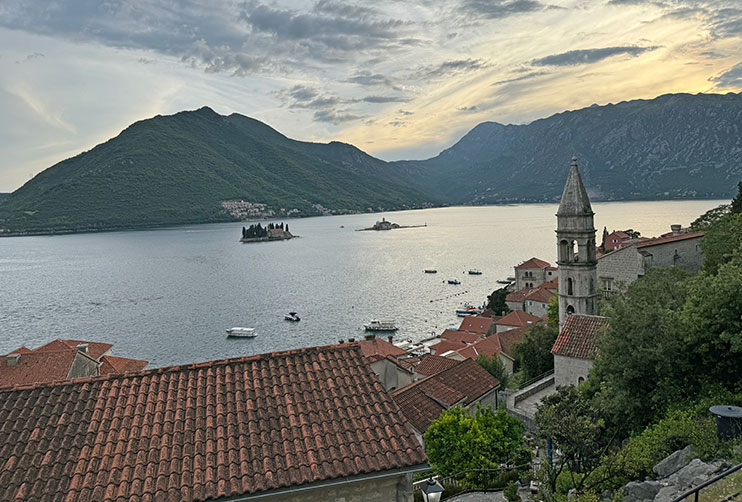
576,425
458,441
533,355
722,242
710,217
511,493
552,312
254,231
736,206
494,367
496,301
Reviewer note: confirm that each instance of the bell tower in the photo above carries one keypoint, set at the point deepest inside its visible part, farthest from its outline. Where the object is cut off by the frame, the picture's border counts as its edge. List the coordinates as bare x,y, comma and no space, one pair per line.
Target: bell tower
578,264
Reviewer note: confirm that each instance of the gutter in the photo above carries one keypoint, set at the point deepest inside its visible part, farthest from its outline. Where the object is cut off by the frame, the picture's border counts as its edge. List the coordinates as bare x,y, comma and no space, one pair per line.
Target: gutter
326,484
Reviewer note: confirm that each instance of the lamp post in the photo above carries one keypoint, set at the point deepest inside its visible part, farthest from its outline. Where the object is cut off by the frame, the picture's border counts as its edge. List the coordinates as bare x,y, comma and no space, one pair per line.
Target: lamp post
432,491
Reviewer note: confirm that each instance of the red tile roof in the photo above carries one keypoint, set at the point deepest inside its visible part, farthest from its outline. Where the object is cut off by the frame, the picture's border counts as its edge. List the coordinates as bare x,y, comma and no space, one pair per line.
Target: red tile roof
551,284
424,400
95,349
541,295
380,347
488,346
453,335
577,337
671,238
111,365
446,346
37,367
517,318
534,263
202,431
432,364
518,296
491,314
510,338
476,324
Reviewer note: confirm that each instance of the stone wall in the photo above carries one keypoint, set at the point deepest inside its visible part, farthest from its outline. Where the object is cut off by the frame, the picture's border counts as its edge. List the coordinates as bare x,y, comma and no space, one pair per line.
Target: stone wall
569,370
392,377
622,266
389,489
536,308
685,253
83,366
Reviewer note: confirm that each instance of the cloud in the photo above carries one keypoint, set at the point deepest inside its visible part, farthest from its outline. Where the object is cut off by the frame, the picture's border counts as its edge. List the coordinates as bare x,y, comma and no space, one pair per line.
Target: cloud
498,9
384,99
448,68
732,78
467,109
405,112
589,56
335,117
527,76
367,78
30,57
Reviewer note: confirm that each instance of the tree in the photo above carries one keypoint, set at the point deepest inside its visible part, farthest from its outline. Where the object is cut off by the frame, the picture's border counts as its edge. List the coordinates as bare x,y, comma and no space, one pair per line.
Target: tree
533,355
496,301
458,441
576,425
494,367
710,217
511,493
736,206
722,242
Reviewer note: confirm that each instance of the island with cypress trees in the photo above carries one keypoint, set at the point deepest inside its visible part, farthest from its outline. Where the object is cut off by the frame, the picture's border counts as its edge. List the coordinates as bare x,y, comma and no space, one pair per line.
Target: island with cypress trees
270,232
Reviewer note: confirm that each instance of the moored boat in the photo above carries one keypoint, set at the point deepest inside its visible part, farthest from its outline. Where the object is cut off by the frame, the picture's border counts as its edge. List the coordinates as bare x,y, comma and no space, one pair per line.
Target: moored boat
468,309
376,325
454,281
241,332
431,271
291,316
475,271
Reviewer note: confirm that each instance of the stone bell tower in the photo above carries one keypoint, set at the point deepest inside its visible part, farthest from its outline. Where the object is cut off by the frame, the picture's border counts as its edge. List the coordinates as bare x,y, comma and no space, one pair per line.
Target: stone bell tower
578,264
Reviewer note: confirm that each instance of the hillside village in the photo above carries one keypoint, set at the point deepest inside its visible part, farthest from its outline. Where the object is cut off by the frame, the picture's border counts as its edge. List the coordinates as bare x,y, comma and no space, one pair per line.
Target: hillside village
358,420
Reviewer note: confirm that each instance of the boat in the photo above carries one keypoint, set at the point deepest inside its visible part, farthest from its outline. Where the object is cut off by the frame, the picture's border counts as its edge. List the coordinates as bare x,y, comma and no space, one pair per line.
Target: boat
475,271
468,309
431,271
454,281
376,325
241,332
503,281
291,316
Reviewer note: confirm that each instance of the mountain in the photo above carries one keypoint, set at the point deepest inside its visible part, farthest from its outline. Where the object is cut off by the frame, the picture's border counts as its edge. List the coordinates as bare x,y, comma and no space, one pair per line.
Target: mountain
199,166
2,196
673,146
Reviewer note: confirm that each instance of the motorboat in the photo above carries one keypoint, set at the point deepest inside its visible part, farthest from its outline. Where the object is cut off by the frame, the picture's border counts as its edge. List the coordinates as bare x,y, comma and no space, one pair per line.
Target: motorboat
431,271
475,271
376,325
454,281
468,309
291,316
241,332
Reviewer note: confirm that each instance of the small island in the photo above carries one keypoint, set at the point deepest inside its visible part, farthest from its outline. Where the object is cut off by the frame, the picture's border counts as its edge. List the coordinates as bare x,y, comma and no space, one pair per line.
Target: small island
388,225
271,232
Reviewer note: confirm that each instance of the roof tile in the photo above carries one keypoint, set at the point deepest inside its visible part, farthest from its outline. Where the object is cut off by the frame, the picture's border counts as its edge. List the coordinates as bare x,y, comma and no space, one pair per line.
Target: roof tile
577,337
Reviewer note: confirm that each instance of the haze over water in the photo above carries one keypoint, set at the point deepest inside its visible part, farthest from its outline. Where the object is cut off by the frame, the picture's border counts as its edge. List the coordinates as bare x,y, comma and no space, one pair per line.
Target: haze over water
167,295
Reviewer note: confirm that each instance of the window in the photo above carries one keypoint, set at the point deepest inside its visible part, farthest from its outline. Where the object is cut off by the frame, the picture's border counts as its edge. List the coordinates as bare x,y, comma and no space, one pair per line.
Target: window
569,286
580,380
570,310
607,284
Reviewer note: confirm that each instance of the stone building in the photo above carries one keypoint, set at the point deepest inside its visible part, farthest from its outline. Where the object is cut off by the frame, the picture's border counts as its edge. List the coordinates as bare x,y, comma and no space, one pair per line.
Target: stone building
575,348
532,273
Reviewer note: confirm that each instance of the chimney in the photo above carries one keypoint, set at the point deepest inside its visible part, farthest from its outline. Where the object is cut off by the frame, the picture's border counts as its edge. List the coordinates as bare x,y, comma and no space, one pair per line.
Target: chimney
351,340
83,347
675,229
390,338
341,341
370,337
13,359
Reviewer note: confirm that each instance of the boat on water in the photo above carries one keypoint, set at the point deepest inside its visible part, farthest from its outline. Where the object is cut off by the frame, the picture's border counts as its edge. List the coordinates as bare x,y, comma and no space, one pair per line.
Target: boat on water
431,271
454,281
291,316
376,325
241,332
475,271
502,281
468,309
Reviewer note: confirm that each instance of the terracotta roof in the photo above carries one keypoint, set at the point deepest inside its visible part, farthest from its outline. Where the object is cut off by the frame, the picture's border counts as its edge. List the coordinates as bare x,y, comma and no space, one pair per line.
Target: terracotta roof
377,346
453,335
534,263
510,338
476,324
36,367
432,364
202,431
517,318
445,346
491,314
551,284
671,238
95,349
552,268
541,295
424,400
577,337
21,350
111,365
518,296
488,346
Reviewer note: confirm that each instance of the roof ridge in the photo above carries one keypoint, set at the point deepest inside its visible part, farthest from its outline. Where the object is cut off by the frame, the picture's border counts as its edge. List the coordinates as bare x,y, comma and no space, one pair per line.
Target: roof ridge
182,367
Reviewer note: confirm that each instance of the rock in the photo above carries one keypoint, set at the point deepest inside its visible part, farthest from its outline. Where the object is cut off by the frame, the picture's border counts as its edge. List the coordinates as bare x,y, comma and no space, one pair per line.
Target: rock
571,494
673,463
639,491
694,474
667,494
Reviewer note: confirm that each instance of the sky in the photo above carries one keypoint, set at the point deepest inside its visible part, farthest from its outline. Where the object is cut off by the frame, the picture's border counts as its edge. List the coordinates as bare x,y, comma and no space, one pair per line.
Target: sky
399,79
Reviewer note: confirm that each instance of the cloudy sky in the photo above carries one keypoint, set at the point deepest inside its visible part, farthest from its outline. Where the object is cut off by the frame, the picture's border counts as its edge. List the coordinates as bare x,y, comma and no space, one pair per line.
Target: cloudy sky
398,79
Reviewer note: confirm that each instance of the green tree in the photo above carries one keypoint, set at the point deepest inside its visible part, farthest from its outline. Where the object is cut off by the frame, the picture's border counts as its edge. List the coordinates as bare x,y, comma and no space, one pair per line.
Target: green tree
722,242
736,206
641,359
552,312
496,301
533,355
494,367
458,441
709,217
511,493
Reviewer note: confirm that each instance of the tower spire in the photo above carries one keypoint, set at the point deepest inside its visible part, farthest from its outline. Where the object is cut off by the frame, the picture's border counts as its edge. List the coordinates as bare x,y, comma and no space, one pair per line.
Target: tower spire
575,201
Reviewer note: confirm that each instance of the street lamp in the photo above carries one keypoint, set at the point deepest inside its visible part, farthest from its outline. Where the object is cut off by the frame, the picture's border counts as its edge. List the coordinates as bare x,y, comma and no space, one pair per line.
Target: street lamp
432,491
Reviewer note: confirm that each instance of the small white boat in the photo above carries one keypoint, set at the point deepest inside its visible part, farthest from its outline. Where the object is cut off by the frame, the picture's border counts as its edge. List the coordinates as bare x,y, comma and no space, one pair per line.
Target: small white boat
291,316
381,326
468,309
241,332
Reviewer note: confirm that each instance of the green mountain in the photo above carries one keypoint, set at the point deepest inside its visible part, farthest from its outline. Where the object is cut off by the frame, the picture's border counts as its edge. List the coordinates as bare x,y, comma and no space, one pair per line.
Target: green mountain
673,146
197,167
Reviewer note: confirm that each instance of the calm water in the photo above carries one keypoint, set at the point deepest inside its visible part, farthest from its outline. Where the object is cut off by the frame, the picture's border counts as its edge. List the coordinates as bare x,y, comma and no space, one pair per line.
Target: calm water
168,295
